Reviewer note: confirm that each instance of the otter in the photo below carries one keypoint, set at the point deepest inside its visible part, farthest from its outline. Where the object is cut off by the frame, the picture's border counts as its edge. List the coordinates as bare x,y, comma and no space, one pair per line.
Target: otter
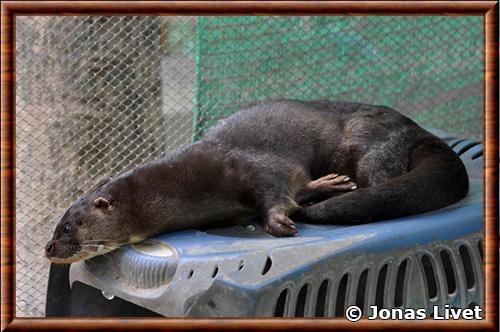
278,160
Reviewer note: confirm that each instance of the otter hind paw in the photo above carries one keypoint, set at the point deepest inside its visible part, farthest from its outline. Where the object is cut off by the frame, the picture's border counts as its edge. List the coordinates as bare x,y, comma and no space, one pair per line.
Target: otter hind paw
333,182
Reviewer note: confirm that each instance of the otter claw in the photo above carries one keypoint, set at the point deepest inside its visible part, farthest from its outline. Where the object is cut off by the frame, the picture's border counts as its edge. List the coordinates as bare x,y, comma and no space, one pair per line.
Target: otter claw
278,224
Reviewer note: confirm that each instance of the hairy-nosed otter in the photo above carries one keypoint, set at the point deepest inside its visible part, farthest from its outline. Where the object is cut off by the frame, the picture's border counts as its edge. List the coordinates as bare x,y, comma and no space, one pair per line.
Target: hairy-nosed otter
266,160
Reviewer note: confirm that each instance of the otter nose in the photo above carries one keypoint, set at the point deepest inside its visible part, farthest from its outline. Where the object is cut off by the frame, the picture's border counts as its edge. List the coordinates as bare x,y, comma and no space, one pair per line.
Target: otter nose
49,248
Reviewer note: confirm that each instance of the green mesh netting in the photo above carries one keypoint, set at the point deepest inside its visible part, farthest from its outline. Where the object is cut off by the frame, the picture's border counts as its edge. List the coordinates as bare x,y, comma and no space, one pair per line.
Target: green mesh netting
429,68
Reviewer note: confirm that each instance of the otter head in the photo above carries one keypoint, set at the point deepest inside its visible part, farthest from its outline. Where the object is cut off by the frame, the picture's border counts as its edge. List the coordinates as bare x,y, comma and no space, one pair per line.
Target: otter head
93,225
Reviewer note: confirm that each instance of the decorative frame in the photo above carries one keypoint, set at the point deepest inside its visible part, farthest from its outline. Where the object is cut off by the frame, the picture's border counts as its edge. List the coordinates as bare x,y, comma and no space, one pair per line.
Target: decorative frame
11,9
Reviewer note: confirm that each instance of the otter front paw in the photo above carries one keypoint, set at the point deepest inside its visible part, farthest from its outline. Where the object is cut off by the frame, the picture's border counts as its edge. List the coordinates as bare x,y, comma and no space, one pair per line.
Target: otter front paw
277,223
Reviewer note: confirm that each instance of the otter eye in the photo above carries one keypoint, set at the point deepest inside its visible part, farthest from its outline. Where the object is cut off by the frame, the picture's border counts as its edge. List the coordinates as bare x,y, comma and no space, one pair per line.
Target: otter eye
66,228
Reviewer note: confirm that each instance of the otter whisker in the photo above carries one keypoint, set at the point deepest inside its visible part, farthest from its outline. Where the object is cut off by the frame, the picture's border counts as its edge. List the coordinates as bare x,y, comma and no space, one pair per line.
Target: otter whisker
97,240
94,240
99,247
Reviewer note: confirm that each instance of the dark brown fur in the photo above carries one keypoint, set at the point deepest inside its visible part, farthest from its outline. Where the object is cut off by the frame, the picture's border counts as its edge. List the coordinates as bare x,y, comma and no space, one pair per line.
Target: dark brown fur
261,161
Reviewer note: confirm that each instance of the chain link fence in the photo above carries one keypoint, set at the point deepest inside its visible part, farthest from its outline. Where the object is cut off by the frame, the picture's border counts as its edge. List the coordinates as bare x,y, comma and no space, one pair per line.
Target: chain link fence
427,67
99,95
95,96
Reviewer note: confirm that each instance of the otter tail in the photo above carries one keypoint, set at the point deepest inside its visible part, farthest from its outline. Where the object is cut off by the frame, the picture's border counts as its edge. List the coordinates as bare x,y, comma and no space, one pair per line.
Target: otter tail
436,178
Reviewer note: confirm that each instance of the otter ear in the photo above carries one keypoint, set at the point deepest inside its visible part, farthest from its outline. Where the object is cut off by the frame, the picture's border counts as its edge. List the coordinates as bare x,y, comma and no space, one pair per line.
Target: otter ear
101,202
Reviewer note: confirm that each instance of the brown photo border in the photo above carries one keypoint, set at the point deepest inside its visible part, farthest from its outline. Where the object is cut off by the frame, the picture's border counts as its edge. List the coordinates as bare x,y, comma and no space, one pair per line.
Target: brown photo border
10,9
